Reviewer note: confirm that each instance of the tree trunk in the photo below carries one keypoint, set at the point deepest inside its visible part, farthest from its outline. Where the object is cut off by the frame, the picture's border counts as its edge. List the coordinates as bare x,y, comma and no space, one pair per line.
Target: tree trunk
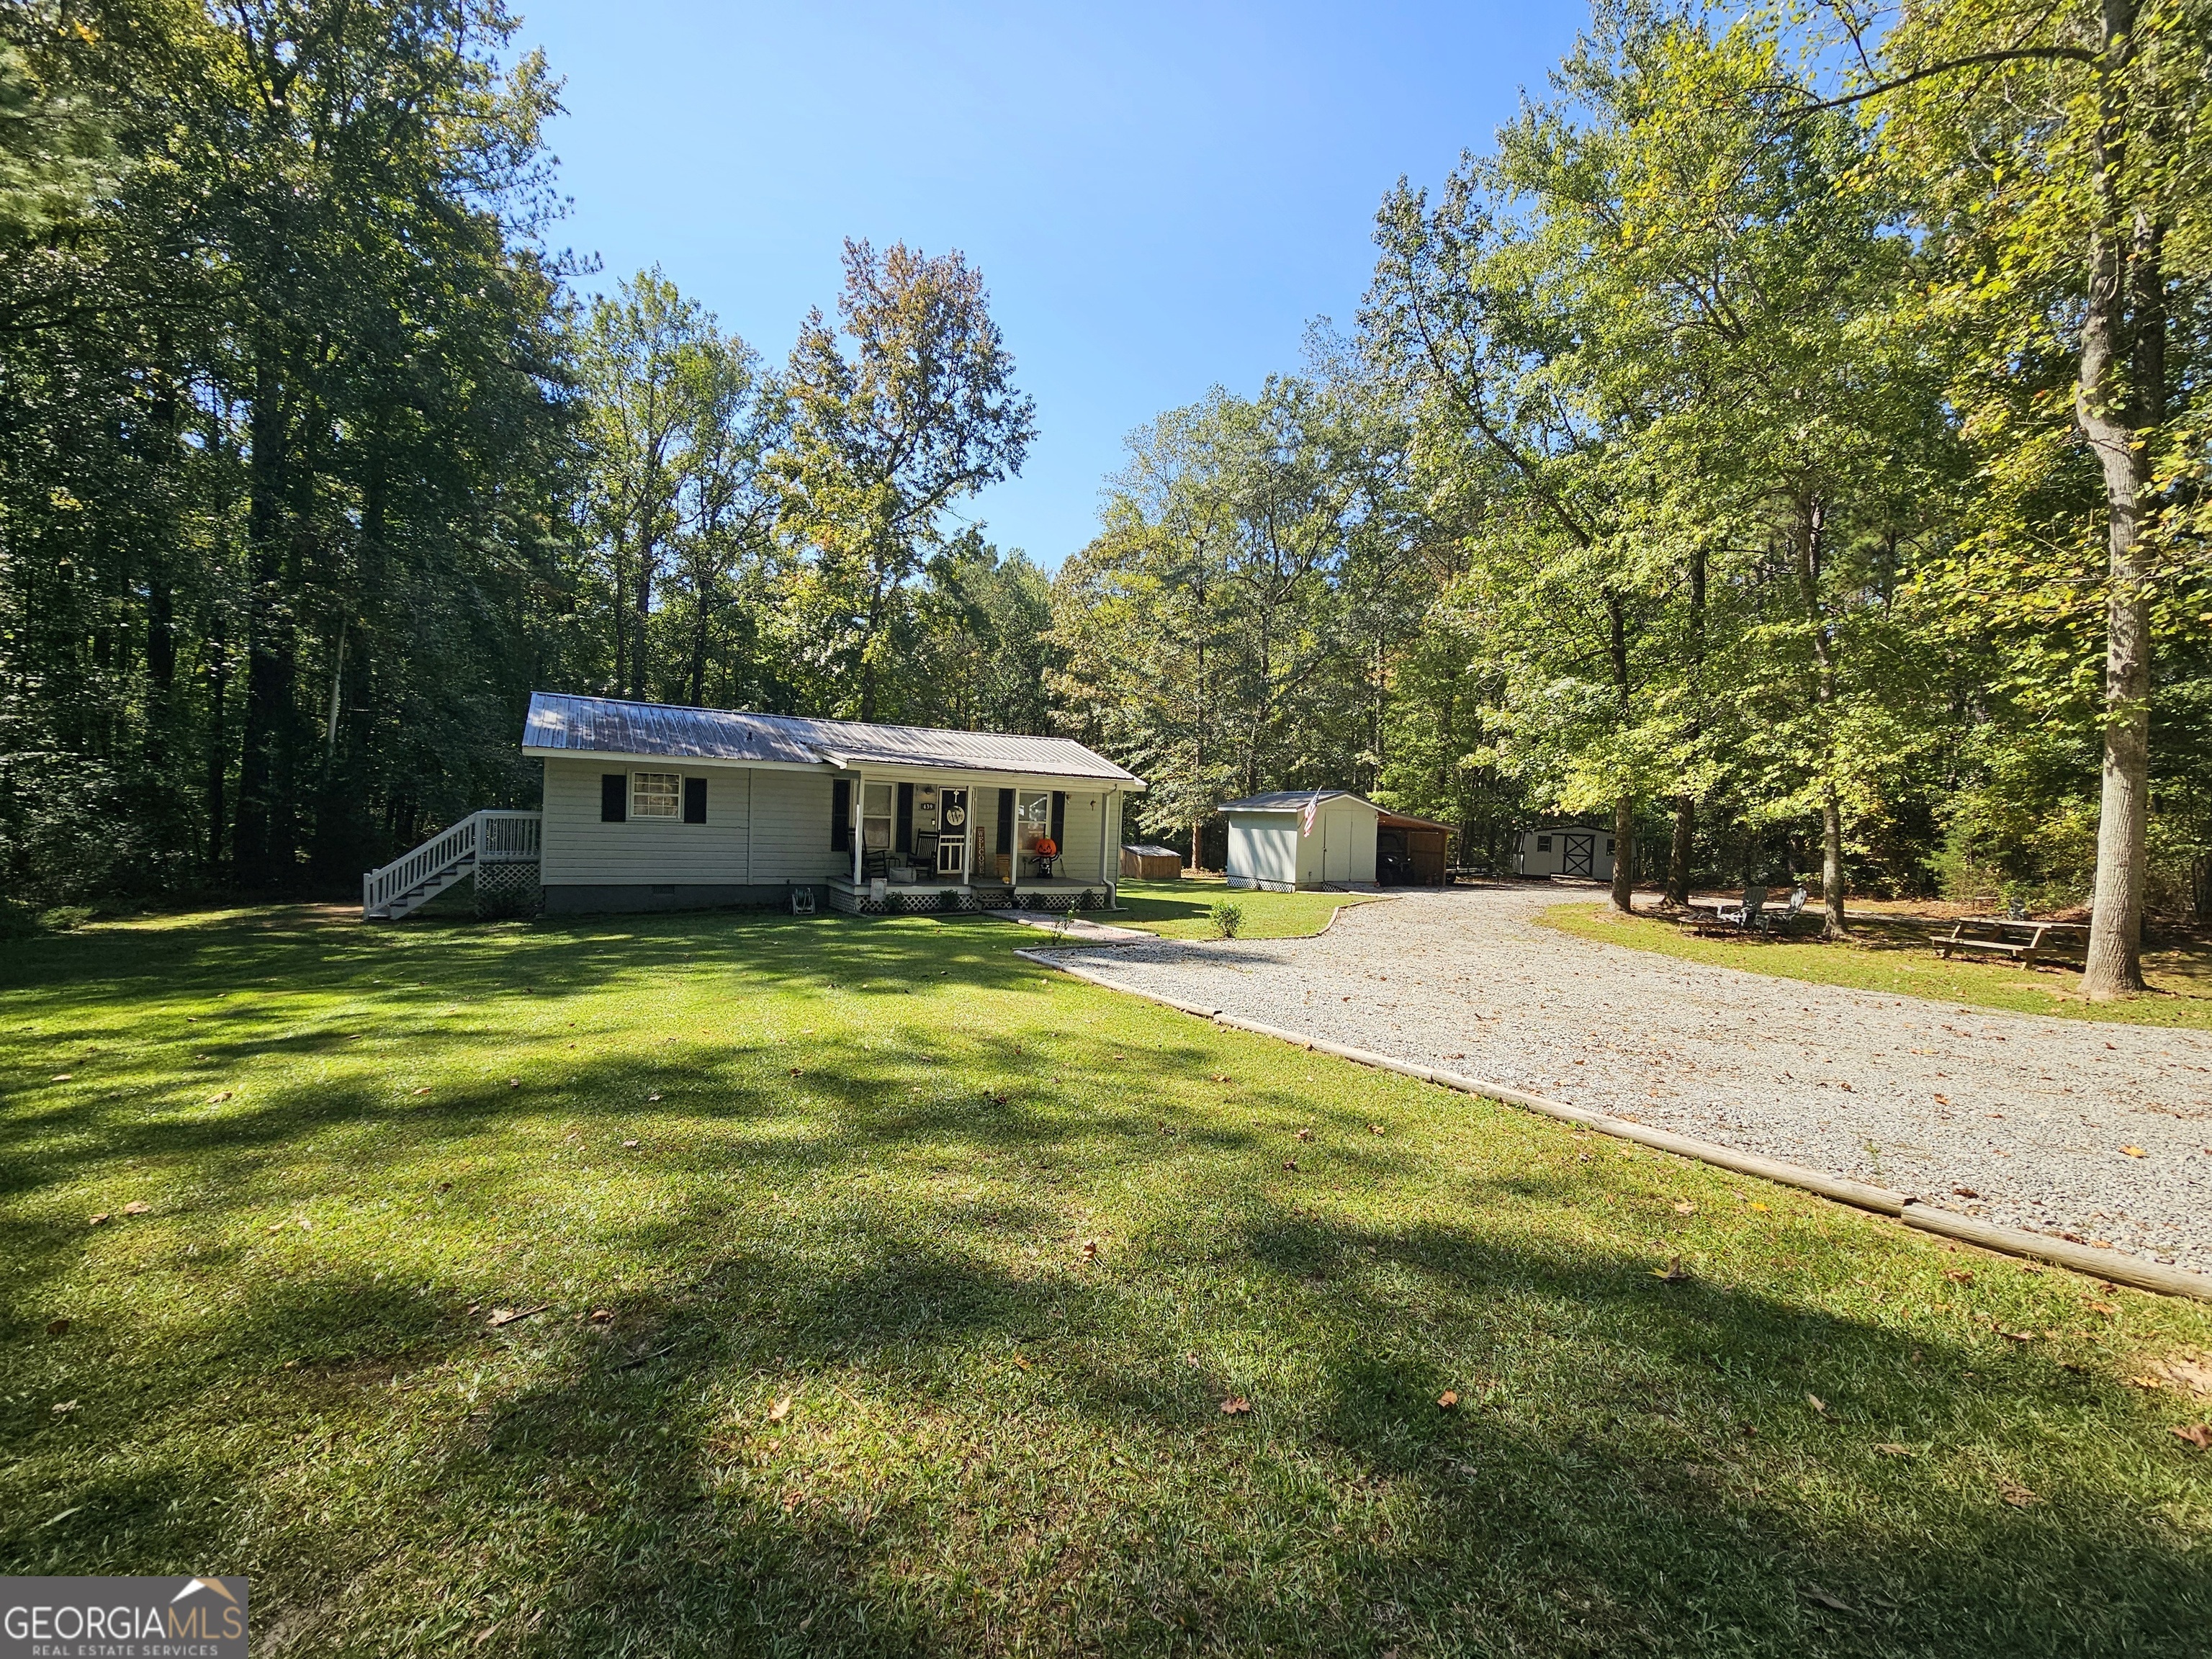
2116,432
1678,855
1832,865
1623,897
256,858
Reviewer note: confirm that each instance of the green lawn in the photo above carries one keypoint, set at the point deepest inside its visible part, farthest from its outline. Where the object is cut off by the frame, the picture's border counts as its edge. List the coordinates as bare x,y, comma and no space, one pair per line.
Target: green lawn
864,1386
1895,956
1179,909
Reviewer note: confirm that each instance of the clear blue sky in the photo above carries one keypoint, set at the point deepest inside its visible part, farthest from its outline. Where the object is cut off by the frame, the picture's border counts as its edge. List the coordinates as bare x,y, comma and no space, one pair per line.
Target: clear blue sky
1160,197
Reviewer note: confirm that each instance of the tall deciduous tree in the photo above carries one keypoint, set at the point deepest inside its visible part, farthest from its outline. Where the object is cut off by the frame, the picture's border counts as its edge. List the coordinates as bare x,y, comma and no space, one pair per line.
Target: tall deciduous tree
903,408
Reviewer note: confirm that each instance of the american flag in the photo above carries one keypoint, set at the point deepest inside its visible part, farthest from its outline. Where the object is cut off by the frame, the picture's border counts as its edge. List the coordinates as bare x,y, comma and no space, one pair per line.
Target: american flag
1306,818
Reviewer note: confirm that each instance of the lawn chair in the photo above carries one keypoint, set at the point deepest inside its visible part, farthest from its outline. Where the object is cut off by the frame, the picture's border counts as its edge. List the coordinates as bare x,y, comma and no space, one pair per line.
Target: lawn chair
1746,913
1788,918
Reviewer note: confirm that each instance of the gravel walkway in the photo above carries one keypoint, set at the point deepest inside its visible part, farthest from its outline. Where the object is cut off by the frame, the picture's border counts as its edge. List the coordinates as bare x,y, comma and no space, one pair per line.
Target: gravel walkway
1923,1097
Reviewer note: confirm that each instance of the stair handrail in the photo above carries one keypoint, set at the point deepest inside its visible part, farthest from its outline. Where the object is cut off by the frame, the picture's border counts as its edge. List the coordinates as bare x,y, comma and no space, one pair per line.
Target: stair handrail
509,837
379,887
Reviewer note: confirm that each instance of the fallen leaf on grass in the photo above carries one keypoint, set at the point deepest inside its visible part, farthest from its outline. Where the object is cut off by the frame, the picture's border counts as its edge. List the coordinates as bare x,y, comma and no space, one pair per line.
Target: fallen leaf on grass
1966,1192
1756,1204
2148,1381
795,1070
601,1315
780,1410
1820,1598
1236,1406
1959,1275
1021,1362
1192,1359
1221,1076
1290,1166
62,1076
1374,1128
2133,1151
1448,1399
64,1408
1089,1251
629,1142
1673,1274
217,1099
508,1315
2198,1435
1890,1449
60,1328
2100,1307
2016,1495
515,1083
652,1096
1305,1134
1817,1403
98,1221
423,1091
1685,1208
137,1207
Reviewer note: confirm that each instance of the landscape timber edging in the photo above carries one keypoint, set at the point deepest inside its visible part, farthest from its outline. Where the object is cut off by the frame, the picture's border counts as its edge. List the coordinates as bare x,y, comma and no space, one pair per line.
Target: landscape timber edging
2113,1266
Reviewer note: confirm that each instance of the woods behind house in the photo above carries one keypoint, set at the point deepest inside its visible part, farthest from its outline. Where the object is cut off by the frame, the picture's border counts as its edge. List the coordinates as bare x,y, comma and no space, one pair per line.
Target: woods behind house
1783,442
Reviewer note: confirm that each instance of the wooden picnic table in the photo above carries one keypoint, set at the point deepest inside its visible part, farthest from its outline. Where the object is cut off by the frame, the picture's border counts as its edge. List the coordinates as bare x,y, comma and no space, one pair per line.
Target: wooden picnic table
2018,938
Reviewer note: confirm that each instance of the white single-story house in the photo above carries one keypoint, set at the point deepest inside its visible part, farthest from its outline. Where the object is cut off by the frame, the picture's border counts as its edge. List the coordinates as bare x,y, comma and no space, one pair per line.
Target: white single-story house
1569,849
648,806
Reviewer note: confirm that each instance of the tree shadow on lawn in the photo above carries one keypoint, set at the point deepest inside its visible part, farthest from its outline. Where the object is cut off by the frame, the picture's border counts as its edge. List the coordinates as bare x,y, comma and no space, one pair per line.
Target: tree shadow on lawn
1594,1491
1631,1465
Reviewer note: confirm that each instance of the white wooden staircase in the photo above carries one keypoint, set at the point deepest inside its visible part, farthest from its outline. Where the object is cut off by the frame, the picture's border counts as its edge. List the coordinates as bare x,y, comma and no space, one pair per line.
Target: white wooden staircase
413,879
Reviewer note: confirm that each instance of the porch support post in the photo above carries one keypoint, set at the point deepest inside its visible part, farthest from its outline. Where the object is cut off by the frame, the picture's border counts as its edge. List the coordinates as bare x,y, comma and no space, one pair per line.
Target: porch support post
860,823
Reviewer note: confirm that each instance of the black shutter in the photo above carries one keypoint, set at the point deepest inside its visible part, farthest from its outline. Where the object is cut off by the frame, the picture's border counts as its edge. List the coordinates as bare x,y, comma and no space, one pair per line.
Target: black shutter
841,816
905,831
694,800
1005,820
1060,820
614,797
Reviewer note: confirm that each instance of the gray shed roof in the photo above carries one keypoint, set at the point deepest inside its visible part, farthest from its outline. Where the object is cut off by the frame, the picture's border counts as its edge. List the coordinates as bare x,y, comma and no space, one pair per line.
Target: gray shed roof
558,721
1290,800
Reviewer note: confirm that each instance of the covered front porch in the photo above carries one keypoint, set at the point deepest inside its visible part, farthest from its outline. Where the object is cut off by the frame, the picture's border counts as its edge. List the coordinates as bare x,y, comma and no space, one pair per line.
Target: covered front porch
926,839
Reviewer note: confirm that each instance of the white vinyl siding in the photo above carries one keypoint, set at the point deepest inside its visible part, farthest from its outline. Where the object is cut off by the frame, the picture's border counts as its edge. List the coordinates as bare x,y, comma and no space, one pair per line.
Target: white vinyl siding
762,828
791,838
1080,845
1264,850
578,847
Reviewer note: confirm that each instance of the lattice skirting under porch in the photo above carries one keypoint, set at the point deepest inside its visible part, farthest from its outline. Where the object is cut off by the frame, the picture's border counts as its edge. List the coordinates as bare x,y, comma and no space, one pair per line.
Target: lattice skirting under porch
508,889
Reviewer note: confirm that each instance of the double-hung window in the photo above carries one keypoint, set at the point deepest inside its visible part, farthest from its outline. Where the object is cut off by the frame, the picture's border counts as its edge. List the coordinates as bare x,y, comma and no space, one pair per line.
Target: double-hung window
1032,818
656,794
876,800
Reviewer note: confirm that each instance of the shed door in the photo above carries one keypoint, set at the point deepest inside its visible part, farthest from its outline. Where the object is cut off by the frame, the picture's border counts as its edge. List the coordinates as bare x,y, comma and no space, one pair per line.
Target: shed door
1575,860
1337,830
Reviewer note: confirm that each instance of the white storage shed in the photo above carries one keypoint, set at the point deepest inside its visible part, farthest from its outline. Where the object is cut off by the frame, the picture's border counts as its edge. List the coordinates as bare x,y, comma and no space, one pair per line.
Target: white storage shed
1566,849
1267,850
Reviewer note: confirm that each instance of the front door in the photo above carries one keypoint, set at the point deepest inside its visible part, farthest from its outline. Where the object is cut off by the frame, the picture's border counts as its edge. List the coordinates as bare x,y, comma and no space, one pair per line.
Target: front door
1336,832
952,844
1576,859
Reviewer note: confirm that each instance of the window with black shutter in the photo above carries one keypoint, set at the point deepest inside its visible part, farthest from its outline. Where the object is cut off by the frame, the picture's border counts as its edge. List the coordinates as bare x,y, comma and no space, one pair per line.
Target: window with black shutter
904,838
1006,821
840,815
614,797
694,800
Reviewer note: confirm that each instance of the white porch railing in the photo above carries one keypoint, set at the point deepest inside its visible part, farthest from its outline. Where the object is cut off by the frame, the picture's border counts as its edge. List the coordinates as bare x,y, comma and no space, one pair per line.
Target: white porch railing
414,878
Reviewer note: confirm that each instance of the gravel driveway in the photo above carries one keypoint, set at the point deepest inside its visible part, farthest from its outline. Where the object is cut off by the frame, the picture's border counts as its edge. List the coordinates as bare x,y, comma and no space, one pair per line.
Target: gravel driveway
1923,1097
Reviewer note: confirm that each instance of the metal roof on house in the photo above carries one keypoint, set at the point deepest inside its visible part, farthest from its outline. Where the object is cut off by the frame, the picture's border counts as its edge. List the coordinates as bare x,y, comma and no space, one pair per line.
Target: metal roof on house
1290,800
558,721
